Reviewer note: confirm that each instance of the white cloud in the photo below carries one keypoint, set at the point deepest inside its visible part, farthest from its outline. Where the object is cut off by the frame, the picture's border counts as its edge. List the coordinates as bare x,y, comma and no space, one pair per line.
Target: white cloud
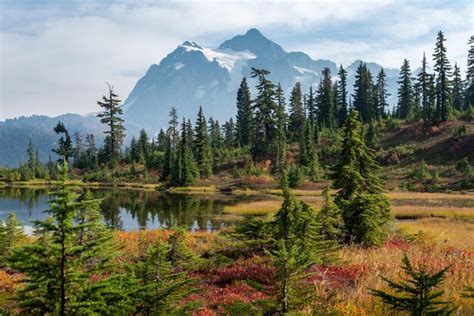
55,57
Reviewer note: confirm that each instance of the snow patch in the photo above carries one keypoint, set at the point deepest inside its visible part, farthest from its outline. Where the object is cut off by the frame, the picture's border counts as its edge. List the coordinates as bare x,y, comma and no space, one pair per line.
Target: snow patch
304,71
226,58
178,66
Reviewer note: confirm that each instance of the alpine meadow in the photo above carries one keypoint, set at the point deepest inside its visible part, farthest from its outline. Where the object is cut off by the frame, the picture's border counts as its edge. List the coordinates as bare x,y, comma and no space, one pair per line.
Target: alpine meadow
238,178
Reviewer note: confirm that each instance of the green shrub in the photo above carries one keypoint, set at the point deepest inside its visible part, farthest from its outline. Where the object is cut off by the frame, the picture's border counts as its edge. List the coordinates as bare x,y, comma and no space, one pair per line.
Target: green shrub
421,172
466,184
12,175
464,167
250,170
408,186
25,173
393,124
98,176
460,131
295,176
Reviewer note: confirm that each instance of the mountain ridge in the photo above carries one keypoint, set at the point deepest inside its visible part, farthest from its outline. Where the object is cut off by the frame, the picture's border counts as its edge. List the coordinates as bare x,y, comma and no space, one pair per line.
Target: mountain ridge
190,76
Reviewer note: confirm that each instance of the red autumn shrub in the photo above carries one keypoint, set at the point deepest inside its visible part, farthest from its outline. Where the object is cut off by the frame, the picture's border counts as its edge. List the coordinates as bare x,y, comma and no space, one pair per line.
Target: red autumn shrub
216,298
336,277
220,287
397,243
254,269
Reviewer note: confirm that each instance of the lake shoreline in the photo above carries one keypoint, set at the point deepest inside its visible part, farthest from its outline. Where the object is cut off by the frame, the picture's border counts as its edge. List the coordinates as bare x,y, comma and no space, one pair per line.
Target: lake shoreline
198,189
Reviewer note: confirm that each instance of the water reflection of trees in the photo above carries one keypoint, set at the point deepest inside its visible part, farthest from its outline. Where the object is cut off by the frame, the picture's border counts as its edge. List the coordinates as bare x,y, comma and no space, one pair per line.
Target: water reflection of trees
163,210
147,208
31,197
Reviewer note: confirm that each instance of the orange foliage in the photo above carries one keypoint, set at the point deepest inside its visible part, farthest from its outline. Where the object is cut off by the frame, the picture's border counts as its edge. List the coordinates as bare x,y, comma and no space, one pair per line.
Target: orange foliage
130,241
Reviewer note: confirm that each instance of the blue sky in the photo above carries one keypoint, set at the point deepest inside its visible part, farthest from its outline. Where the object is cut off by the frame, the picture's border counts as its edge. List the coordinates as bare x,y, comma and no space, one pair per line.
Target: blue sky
56,55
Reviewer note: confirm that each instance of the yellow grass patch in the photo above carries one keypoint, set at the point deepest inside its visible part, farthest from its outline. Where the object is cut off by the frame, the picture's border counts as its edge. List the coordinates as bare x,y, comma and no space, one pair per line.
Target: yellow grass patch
193,189
440,231
427,196
257,208
295,192
415,212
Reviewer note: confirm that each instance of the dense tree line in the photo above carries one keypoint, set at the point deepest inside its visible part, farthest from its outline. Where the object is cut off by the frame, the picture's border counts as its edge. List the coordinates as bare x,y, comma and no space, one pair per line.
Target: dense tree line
267,124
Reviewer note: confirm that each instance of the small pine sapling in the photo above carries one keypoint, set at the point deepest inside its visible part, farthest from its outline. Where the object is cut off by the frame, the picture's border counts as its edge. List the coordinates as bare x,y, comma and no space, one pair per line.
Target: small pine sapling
417,293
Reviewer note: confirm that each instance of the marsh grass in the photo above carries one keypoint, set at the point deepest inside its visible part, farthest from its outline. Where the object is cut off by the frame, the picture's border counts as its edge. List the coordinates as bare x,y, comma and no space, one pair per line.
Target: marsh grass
295,192
404,206
194,189
418,212
428,196
256,208
448,232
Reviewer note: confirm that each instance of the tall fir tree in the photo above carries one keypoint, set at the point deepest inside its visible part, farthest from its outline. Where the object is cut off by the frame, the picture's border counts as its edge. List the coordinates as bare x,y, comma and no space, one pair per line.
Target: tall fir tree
381,104
308,154
201,145
173,131
337,102
161,141
91,152
470,74
423,83
281,127
171,145
264,116
215,134
190,135
311,106
230,140
134,151
32,158
64,149
185,170
442,70
458,90
342,96
111,116
326,106
297,114
78,152
143,145
405,92
363,101
365,209
244,114
432,95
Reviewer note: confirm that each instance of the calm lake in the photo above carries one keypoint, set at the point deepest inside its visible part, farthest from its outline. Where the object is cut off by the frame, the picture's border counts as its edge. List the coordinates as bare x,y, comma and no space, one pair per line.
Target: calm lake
131,209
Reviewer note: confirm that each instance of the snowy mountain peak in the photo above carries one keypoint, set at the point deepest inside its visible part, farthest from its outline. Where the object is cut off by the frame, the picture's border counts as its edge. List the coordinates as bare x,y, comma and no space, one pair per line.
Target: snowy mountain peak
194,75
191,45
253,41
